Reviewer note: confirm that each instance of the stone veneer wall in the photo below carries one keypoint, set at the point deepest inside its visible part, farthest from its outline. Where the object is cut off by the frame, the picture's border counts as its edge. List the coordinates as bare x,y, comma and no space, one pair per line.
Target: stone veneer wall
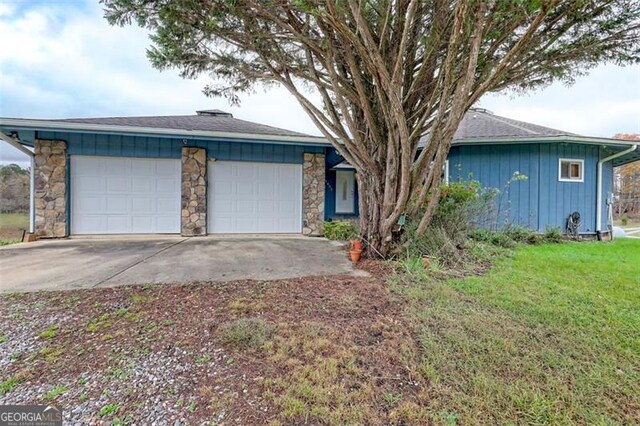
194,192
313,194
50,188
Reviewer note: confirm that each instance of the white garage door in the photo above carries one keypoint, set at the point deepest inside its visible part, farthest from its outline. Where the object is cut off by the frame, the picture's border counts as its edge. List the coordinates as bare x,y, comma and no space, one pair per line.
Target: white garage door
112,195
254,197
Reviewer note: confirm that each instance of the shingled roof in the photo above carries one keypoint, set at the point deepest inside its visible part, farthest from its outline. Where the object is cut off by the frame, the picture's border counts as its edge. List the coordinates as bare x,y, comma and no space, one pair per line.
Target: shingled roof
205,120
481,123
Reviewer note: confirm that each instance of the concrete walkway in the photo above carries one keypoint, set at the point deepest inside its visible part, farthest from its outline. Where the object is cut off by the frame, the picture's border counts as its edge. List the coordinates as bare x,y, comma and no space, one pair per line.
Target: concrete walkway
106,262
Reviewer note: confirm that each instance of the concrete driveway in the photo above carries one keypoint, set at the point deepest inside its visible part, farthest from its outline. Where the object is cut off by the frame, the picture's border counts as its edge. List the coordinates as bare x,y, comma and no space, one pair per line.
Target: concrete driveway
89,263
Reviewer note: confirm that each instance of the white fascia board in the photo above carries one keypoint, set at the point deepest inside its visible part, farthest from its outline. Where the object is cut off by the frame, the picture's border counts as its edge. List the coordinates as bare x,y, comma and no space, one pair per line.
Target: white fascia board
87,127
544,139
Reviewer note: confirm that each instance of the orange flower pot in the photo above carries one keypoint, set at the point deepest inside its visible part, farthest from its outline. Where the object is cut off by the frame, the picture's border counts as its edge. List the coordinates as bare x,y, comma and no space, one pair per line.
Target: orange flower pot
355,255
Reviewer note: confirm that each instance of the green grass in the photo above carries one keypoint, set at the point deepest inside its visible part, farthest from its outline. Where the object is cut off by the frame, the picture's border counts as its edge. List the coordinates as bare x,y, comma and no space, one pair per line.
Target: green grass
55,392
7,385
49,333
11,227
548,336
247,333
109,410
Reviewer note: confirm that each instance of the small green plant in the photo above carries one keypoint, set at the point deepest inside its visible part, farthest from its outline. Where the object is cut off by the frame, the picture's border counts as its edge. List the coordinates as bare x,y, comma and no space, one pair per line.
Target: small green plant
55,392
203,359
340,230
449,419
97,324
83,397
51,353
8,385
624,221
118,373
392,398
192,407
49,333
247,333
109,410
3,338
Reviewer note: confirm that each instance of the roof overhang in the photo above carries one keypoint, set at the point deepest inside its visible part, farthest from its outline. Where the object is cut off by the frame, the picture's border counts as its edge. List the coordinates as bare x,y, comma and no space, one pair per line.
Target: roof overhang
615,144
544,139
18,124
343,166
627,158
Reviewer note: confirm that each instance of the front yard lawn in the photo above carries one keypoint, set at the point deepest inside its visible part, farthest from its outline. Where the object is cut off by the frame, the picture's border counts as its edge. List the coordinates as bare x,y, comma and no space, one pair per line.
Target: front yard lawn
11,227
550,335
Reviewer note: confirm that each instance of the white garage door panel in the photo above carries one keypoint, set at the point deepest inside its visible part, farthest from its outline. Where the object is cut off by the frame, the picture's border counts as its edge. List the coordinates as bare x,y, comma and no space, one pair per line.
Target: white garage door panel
254,197
124,195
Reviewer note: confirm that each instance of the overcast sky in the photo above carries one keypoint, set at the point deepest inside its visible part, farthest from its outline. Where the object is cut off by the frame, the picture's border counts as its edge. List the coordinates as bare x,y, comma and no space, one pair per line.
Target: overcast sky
60,59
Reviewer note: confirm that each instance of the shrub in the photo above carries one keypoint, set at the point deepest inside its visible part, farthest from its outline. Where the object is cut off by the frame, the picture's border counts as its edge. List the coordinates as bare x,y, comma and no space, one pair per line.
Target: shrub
340,230
520,234
462,205
247,333
624,220
553,235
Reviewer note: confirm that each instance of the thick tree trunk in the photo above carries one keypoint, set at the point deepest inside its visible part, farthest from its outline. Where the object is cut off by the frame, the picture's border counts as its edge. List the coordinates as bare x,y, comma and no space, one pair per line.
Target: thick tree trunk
370,197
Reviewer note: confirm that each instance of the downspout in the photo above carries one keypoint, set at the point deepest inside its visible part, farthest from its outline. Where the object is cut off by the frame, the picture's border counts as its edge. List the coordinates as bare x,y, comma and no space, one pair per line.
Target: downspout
32,181
599,186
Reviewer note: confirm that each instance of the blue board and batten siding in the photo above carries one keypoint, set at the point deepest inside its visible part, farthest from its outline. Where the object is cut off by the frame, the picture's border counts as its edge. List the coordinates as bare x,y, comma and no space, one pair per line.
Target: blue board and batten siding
114,145
541,201
158,147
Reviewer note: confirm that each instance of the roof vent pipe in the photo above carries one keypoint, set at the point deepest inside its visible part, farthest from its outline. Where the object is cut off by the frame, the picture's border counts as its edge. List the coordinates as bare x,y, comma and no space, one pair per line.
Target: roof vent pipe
214,113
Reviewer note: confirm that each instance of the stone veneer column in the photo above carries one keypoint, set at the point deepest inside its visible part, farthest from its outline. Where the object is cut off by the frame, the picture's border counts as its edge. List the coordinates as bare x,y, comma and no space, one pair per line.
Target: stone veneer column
50,188
313,194
194,192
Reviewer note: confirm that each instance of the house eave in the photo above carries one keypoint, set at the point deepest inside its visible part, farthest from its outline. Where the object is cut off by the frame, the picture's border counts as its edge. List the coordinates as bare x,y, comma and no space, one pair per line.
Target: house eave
544,139
46,125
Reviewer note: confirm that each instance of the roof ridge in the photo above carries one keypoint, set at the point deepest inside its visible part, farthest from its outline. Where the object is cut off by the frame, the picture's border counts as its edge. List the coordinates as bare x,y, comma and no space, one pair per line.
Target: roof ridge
512,122
504,120
118,116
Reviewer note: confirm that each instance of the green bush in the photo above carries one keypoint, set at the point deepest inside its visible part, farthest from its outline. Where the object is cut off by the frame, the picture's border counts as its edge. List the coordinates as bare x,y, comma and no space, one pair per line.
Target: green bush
340,230
624,220
461,205
463,224
523,235
553,235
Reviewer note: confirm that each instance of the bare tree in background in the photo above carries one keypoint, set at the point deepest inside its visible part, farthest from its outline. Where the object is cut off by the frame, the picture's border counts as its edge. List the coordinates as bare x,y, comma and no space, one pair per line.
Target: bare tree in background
627,183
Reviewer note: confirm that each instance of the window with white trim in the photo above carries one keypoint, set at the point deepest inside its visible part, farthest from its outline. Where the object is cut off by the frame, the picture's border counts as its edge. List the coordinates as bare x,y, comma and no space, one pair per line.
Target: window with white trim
571,170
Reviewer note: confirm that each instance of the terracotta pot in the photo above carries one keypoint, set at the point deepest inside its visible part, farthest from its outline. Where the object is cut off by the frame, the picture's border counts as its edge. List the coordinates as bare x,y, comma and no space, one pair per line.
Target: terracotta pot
355,255
356,245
